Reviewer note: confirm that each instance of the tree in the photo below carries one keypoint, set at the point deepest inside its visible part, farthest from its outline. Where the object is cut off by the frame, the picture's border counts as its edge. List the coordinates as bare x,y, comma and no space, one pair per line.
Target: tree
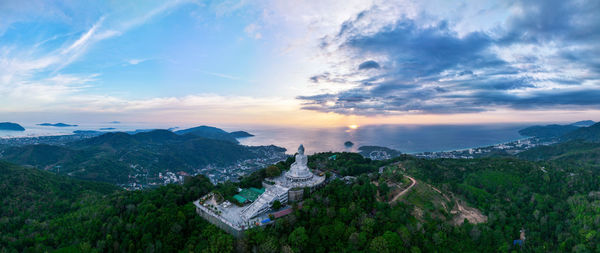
273,171
384,189
379,244
269,246
298,238
276,205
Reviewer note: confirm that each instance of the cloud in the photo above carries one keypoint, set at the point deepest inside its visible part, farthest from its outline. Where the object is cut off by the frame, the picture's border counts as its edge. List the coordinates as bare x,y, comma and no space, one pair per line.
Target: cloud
32,77
136,61
253,31
368,65
230,77
543,57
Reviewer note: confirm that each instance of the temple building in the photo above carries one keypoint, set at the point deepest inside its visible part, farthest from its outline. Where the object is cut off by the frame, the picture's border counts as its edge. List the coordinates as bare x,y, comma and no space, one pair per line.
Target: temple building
288,187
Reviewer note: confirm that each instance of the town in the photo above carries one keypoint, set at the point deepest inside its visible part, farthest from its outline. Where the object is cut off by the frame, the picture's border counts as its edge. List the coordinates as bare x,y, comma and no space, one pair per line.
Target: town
216,174
509,148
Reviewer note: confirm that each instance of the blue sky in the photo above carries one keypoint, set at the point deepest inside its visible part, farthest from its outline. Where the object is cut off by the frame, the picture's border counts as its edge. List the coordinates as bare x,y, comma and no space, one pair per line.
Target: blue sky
322,63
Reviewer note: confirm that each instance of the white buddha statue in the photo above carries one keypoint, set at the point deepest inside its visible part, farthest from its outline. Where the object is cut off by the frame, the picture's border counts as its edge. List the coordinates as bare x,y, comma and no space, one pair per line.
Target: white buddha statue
299,169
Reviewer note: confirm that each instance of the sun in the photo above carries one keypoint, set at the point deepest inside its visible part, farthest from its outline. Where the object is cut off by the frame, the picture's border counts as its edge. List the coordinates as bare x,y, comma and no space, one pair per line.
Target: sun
353,126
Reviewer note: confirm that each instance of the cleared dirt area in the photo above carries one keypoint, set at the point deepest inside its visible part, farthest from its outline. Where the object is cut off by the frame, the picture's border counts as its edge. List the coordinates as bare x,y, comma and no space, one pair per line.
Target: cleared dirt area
463,212
427,198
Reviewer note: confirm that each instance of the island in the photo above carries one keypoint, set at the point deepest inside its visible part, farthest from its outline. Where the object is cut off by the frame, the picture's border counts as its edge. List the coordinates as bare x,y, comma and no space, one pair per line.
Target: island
378,153
348,144
87,132
107,128
241,134
56,125
209,133
9,126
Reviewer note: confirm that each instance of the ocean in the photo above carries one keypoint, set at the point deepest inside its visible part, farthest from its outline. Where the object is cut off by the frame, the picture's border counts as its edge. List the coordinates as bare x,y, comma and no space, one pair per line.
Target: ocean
405,138
34,130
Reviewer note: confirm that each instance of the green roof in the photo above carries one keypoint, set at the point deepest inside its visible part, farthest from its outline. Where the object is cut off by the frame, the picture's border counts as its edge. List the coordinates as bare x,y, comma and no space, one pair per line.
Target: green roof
259,191
251,193
240,198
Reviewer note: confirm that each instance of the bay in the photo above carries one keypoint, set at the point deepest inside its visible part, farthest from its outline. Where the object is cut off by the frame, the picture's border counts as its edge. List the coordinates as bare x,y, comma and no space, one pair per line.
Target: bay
404,138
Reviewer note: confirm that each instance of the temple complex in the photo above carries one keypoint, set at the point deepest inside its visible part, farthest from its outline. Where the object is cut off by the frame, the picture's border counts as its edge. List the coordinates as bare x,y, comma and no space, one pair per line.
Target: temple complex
288,187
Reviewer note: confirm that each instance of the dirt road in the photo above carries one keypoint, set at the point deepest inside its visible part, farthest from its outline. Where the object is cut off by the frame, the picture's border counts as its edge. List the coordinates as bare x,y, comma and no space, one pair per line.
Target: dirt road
414,182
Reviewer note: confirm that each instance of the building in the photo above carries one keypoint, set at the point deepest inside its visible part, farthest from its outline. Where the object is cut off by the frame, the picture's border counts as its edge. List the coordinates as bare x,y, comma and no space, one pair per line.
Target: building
288,187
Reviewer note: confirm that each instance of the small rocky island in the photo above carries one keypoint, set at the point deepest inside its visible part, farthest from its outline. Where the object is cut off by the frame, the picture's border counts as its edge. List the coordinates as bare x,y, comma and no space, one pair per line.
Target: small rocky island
9,126
57,125
348,144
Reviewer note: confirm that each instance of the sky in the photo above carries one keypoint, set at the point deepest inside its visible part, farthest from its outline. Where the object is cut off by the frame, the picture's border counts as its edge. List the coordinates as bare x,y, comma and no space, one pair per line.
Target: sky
303,63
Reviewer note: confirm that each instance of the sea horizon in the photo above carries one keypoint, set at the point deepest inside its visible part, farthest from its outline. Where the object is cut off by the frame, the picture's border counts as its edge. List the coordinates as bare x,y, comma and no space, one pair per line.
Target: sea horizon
406,138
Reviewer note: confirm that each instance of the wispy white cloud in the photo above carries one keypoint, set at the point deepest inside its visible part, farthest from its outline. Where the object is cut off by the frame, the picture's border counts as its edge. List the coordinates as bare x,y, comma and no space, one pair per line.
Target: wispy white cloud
230,77
136,61
253,30
31,78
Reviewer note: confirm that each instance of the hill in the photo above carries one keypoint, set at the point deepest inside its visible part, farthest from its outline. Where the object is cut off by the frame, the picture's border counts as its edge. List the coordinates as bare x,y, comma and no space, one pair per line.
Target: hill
548,131
9,126
553,203
31,196
553,132
584,123
559,151
378,153
209,133
241,134
43,212
122,158
495,197
57,125
589,134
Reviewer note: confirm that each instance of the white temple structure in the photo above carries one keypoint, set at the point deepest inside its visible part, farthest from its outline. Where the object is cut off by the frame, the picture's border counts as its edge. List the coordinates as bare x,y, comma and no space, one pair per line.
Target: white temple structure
287,187
299,176
299,171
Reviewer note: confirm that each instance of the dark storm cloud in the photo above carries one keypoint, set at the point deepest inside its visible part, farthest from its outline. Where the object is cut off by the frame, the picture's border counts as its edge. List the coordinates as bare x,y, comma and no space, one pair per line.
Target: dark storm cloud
538,100
431,69
426,51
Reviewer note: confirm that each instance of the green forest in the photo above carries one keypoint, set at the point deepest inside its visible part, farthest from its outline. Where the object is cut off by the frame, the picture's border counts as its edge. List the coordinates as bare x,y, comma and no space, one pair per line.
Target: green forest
113,157
551,193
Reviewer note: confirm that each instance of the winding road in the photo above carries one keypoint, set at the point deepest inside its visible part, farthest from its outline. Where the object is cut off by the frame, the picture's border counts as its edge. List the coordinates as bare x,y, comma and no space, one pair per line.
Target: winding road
414,182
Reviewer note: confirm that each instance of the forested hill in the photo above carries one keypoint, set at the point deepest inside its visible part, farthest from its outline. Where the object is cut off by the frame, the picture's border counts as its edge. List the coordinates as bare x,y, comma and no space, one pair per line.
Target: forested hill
27,191
42,212
554,201
547,132
32,197
209,132
582,130
573,151
589,134
554,204
577,147
113,157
